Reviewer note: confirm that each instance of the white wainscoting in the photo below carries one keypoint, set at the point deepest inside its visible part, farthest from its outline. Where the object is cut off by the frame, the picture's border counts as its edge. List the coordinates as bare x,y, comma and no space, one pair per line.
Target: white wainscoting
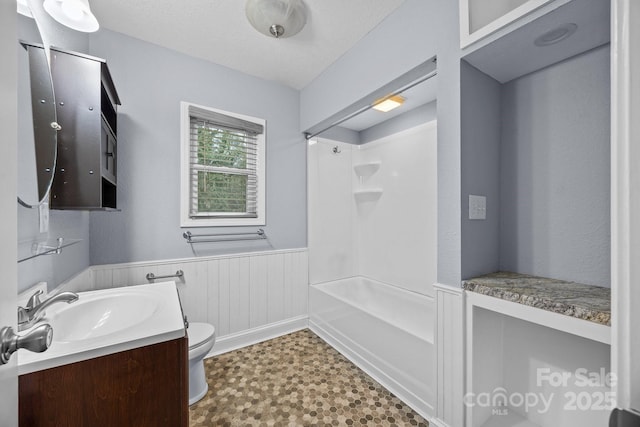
247,297
450,349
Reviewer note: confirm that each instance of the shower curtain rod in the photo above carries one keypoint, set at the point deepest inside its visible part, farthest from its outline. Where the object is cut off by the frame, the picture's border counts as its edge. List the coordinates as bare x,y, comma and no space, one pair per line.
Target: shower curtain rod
425,70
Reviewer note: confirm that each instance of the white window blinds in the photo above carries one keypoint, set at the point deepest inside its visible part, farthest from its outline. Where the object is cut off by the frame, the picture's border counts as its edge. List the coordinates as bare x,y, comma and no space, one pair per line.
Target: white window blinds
223,165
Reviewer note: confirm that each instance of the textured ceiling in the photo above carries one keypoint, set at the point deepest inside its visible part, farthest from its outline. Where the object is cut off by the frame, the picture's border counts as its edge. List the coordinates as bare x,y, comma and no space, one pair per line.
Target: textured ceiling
218,31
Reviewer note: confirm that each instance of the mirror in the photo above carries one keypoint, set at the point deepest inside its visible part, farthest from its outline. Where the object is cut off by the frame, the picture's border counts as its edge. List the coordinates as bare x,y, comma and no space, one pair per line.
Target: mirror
37,126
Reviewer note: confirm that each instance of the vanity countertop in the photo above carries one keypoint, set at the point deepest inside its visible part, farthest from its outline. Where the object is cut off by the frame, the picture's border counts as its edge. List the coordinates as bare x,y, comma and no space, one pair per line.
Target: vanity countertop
108,321
585,302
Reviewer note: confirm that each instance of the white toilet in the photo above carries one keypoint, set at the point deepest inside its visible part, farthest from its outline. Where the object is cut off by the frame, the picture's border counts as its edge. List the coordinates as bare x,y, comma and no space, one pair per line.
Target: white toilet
202,336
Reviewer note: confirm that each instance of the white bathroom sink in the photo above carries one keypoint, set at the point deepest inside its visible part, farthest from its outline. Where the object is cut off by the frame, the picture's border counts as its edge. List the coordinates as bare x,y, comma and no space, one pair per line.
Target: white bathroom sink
97,315
108,321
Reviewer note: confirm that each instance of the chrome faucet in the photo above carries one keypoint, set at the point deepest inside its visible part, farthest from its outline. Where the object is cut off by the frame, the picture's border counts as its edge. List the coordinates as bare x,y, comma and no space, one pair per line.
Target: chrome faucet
34,311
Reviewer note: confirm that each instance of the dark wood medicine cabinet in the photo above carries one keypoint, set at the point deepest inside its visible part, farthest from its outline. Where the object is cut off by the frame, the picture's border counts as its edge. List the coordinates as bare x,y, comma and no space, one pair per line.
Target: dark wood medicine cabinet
86,105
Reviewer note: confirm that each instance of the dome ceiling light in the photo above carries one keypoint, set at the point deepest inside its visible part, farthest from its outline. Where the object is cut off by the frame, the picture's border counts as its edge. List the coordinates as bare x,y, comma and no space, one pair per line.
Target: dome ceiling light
75,14
276,18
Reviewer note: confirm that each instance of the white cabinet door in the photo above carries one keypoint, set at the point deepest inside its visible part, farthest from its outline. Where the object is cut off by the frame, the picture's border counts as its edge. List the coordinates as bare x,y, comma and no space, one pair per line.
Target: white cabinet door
479,18
625,198
8,204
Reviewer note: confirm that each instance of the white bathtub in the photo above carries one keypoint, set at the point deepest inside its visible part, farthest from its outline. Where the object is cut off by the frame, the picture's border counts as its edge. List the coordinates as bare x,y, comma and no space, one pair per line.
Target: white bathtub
385,330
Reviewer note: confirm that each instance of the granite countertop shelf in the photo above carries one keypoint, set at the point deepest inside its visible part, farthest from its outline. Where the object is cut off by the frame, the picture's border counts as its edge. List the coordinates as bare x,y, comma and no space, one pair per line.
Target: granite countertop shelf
586,302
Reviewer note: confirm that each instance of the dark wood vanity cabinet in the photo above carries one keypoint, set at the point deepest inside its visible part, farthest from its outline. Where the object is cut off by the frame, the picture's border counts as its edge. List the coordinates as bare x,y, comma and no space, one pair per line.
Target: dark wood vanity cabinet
143,387
86,99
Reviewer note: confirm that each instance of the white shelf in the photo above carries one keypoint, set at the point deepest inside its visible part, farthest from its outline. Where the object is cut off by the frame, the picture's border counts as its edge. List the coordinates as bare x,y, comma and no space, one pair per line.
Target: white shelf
572,325
366,169
510,420
506,345
368,195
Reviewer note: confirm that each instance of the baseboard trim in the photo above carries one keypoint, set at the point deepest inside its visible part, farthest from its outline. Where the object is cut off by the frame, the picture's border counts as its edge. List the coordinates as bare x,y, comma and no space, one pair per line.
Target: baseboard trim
417,404
448,289
437,422
249,337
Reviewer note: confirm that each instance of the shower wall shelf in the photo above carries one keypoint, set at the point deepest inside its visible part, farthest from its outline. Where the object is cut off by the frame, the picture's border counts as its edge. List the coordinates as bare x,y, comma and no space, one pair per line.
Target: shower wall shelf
363,171
30,250
366,169
370,195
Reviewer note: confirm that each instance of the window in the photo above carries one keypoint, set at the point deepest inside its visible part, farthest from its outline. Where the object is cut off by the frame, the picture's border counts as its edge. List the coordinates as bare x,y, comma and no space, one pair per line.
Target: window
223,168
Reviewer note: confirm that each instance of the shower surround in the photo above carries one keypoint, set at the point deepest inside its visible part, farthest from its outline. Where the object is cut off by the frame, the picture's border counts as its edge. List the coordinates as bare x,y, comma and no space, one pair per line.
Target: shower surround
372,257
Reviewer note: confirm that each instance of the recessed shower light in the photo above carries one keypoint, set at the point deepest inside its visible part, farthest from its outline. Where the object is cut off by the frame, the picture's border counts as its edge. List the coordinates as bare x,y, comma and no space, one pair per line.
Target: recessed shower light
388,104
556,35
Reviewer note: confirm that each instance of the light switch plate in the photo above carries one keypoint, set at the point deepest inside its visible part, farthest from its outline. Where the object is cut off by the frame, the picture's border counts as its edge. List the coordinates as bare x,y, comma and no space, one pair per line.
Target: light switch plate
477,207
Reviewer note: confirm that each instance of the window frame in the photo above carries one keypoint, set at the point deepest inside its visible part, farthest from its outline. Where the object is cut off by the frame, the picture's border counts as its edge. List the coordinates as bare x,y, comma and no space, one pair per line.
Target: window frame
185,174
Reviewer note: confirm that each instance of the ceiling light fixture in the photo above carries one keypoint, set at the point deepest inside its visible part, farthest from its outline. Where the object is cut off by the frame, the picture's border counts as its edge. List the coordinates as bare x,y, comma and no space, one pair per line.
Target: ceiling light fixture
387,104
75,14
276,18
556,35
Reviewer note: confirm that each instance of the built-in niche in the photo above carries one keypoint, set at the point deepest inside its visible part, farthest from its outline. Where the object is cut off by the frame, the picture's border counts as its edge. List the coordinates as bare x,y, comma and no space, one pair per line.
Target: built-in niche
544,170
535,141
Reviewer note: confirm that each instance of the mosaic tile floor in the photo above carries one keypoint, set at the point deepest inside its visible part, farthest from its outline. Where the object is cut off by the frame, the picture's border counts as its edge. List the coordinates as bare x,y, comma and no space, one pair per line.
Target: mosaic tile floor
295,380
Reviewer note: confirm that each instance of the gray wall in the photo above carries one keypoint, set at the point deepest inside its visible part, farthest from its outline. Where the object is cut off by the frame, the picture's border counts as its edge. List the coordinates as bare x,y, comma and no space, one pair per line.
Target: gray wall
52,269
449,235
555,166
151,82
480,161
338,133
417,116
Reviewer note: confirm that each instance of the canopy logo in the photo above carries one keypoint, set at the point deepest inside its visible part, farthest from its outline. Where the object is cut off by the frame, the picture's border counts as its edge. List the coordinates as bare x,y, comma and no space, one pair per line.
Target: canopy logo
500,400
581,390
